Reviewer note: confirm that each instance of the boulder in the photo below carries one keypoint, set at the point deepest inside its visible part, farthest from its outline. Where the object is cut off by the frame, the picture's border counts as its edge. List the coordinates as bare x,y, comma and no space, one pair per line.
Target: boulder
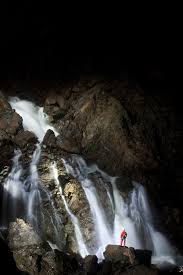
49,138
31,254
25,245
116,253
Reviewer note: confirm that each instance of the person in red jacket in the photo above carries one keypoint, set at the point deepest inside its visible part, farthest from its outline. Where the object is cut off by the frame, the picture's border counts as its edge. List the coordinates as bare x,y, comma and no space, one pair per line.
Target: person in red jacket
123,237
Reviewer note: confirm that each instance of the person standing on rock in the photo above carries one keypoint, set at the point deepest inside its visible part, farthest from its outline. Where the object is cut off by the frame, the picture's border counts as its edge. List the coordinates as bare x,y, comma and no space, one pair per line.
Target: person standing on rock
123,237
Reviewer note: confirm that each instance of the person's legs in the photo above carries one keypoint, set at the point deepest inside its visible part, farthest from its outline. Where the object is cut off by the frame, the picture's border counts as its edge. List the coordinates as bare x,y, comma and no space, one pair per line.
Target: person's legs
125,242
121,242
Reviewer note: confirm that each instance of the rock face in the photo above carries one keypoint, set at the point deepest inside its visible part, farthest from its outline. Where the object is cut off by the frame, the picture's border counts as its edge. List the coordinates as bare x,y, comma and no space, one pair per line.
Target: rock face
25,245
10,124
99,125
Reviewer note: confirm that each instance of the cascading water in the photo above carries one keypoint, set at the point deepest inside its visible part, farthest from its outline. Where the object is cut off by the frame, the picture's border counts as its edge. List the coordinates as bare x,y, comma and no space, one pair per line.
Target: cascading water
78,234
34,119
134,215
26,193
32,185
103,230
14,196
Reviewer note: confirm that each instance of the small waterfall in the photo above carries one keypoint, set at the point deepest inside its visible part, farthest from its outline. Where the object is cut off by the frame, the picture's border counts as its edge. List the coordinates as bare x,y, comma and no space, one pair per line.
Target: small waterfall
34,119
14,196
26,196
102,227
78,234
33,188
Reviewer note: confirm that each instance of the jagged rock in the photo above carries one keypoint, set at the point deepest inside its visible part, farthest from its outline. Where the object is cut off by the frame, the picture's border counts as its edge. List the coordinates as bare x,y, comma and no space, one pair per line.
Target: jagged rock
49,139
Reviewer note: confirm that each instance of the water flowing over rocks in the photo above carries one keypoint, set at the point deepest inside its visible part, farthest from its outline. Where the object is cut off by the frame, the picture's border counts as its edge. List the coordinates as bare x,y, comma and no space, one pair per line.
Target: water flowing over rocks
129,135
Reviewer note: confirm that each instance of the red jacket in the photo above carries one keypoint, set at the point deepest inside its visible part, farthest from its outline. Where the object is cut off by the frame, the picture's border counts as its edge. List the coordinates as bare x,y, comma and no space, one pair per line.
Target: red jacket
123,234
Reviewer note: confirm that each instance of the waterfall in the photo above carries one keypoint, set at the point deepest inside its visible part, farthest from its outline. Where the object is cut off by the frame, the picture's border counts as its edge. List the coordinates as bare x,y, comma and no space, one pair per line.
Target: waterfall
34,119
134,214
78,234
32,186
14,196
24,196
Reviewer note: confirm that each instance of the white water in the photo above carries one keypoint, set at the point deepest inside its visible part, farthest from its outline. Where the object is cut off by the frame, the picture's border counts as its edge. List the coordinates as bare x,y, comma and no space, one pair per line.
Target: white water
34,198
78,234
34,119
27,192
13,194
134,215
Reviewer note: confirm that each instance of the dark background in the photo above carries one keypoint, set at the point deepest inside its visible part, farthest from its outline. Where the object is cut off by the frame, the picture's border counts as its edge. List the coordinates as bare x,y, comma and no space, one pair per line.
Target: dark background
49,42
